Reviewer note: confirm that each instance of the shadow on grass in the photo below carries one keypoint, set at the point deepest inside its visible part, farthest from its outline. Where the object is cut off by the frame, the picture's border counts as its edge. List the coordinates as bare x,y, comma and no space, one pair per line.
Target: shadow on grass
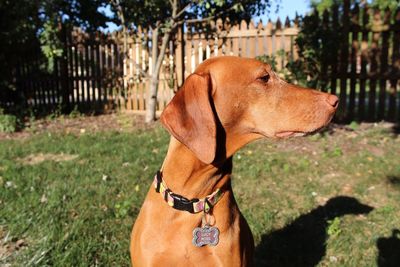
389,250
394,181
303,242
396,129
332,127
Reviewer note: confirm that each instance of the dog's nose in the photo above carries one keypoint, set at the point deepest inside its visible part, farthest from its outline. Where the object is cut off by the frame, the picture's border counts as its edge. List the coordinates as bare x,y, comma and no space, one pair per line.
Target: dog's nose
332,100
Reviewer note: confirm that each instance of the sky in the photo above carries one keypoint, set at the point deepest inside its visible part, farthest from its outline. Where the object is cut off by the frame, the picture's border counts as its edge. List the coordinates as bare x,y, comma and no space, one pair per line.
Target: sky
287,8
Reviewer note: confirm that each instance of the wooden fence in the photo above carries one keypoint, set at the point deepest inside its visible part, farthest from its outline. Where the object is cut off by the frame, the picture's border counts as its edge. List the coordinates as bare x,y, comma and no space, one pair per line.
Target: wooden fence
95,75
364,69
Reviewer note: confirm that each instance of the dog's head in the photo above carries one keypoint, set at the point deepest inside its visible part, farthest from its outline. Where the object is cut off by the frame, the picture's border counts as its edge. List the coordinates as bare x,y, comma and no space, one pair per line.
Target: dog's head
246,100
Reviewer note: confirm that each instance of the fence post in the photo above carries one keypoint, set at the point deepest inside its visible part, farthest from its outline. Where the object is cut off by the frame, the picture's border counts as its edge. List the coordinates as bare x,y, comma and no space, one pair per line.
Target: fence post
344,53
65,92
384,63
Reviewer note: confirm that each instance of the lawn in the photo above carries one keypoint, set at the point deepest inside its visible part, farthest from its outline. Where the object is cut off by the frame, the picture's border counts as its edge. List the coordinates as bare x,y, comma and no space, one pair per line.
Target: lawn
70,191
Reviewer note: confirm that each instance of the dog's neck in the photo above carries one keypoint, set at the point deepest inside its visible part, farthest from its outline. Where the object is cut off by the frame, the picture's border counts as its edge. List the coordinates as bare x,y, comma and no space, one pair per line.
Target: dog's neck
186,175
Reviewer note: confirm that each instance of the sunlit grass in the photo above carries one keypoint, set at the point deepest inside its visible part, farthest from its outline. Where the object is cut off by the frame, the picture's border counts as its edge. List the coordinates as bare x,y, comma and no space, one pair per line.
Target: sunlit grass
80,212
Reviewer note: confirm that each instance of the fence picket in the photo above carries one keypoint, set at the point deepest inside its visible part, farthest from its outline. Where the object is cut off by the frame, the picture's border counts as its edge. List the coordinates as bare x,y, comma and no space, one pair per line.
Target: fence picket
243,39
251,41
260,39
364,62
227,41
374,67
344,53
54,87
146,58
353,60
219,44
384,53
269,36
334,63
393,93
69,57
235,41
97,78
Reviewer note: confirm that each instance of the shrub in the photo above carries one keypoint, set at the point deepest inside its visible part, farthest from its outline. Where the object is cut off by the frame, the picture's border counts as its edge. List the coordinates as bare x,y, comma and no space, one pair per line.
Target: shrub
318,45
75,113
8,123
270,59
285,72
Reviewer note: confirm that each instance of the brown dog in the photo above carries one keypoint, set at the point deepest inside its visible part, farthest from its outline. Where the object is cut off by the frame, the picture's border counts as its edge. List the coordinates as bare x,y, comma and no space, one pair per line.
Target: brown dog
225,104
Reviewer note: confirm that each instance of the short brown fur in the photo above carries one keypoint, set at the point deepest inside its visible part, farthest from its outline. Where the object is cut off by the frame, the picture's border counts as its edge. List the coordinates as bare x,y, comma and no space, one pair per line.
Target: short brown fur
227,103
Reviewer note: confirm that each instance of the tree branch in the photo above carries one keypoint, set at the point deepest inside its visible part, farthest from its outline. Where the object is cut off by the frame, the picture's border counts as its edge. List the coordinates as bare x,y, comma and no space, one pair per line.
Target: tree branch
183,10
207,18
161,54
174,8
154,47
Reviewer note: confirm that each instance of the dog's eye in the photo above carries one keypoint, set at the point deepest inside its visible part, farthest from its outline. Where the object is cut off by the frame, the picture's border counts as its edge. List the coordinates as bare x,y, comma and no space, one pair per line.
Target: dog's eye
264,78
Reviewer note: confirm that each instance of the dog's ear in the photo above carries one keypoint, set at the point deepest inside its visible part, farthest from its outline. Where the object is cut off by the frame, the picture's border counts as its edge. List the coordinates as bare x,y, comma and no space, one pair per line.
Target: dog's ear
189,117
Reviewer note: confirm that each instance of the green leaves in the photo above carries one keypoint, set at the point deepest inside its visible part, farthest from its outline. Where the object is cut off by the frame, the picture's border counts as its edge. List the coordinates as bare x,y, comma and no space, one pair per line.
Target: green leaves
317,43
153,12
8,123
50,44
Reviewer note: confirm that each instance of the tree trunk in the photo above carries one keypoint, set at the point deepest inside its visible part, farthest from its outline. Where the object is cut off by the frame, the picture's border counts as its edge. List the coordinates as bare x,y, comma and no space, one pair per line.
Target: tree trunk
151,106
158,57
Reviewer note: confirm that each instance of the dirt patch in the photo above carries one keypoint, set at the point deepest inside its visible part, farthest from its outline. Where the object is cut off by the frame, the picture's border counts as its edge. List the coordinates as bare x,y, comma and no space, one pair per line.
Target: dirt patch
34,159
84,124
8,245
126,121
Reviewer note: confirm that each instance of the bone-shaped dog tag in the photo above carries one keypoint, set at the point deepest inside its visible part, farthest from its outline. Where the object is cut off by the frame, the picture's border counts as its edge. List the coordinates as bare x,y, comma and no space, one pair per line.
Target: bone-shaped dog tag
206,235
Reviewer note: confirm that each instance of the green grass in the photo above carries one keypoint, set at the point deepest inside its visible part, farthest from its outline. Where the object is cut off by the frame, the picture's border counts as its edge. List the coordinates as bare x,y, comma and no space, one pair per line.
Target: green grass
79,212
